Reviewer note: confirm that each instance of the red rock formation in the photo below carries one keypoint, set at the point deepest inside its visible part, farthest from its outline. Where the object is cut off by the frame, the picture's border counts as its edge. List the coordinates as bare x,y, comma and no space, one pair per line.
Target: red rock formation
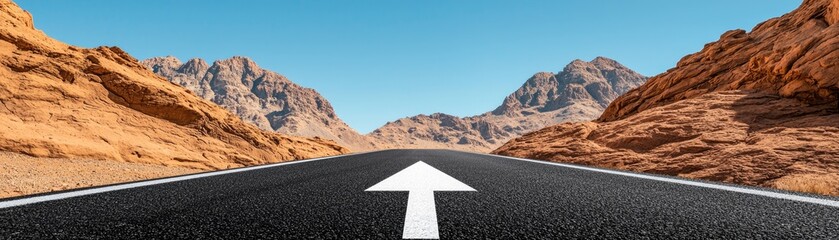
63,101
755,108
791,56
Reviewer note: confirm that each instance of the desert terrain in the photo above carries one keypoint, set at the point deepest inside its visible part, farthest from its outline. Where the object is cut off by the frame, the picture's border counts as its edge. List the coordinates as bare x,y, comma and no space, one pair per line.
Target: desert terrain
756,108
67,102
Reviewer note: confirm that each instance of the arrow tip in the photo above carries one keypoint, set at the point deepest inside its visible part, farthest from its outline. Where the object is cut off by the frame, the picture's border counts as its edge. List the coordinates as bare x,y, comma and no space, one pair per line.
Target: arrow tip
420,177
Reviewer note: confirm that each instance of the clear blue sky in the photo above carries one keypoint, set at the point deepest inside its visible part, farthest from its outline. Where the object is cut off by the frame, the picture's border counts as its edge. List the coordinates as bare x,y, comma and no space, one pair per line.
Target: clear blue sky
377,61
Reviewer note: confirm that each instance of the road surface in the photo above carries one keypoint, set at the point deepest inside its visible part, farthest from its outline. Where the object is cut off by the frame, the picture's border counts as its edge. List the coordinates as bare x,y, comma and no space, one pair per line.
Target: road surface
491,197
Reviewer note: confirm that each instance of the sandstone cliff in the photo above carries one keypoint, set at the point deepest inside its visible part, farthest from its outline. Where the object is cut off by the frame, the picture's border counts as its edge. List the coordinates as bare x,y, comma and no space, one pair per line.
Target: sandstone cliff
58,100
579,92
261,97
790,56
756,108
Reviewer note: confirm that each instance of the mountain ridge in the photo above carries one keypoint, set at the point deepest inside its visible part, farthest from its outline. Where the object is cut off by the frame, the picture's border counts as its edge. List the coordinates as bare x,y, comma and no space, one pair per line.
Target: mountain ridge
586,89
579,92
264,98
756,108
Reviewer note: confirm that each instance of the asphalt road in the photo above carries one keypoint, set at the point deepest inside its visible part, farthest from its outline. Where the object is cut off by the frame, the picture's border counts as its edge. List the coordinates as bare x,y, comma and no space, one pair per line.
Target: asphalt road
326,199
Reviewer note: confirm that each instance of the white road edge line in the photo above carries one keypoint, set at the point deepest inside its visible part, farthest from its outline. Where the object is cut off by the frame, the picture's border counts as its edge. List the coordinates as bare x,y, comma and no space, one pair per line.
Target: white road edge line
791,197
95,190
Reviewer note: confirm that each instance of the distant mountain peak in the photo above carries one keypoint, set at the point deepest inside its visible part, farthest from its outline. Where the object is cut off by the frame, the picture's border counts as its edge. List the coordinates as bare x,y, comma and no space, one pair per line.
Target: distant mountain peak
596,64
604,60
580,92
171,58
236,60
599,81
163,62
264,98
194,66
196,62
240,64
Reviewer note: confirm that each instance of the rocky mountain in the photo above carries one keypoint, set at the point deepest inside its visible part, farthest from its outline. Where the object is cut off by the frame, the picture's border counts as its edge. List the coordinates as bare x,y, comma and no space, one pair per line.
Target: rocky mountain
58,100
579,92
270,101
265,98
757,108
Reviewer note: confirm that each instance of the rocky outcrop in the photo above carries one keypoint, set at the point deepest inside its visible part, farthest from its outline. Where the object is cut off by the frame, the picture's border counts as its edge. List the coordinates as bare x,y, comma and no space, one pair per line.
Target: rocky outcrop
58,100
791,56
439,130
261,97
756,108
738,136
579,92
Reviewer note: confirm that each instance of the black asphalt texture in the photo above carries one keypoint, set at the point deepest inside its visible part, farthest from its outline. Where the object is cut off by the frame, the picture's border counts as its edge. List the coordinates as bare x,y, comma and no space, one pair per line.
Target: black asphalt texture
325,199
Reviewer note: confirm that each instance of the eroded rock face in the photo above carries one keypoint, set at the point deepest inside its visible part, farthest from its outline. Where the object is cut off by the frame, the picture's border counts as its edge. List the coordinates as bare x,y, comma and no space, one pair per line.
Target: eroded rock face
64,101
754,108
579,92
791,56
261,97
737,136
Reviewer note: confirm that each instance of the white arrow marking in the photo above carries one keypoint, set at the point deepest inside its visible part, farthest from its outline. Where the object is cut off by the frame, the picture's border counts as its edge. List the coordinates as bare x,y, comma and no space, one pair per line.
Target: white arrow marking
420,180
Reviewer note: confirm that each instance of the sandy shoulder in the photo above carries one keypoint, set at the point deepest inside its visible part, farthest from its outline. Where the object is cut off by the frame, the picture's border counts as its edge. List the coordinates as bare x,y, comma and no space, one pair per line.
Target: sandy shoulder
24,175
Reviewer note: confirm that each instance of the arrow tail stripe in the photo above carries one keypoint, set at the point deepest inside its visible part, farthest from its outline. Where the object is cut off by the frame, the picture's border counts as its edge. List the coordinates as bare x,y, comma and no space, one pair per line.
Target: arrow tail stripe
421,216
